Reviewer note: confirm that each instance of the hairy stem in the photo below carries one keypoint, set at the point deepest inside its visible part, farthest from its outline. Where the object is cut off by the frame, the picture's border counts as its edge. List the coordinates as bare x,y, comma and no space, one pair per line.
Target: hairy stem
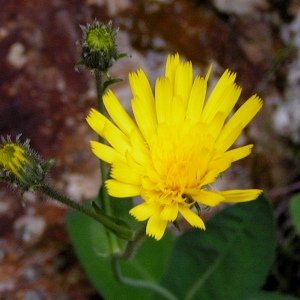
109,224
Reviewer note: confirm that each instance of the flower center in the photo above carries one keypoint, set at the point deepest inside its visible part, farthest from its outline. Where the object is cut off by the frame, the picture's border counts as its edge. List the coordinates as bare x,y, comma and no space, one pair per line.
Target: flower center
180,157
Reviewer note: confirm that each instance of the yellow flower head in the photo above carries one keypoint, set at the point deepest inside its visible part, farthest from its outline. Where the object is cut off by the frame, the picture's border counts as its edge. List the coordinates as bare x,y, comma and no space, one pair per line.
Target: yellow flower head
12,158
176,147
19,165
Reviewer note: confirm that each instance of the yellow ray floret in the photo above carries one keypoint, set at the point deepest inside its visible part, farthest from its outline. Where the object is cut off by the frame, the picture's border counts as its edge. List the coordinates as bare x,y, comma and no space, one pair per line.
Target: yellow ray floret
177,145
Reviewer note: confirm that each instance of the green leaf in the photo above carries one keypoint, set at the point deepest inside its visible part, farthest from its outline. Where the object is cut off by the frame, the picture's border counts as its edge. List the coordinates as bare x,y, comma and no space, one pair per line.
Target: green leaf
148,264
48,164
123,55
229,260
271,296
109,82
97,232
295,211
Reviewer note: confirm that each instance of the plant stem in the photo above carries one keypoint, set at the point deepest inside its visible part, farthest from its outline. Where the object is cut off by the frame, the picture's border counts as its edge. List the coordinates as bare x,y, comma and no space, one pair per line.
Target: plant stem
152,286
134,243
103,195
109,224
100,108
100,91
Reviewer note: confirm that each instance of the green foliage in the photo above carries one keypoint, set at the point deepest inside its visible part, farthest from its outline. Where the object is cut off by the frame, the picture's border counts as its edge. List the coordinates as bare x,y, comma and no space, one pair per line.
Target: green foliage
92,248
270,296
107,83
230,260
295,211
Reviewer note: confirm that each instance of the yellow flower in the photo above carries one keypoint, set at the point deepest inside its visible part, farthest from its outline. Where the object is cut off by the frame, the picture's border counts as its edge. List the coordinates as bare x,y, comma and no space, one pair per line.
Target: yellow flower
177,146
19,165
12,158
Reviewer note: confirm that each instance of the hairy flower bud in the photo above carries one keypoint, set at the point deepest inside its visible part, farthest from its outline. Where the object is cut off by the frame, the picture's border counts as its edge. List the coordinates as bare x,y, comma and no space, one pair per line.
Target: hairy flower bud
19,165
99,48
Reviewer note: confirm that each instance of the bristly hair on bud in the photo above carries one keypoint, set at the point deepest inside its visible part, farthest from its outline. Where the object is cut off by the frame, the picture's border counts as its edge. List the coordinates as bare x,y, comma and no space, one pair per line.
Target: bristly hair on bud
99,48
20,166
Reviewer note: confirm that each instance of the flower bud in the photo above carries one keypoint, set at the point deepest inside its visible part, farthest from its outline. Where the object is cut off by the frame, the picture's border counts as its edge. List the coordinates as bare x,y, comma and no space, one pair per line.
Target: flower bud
19,165
99,48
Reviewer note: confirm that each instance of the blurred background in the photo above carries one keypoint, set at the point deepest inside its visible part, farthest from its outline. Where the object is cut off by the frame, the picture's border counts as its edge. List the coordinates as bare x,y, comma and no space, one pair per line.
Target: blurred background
45,99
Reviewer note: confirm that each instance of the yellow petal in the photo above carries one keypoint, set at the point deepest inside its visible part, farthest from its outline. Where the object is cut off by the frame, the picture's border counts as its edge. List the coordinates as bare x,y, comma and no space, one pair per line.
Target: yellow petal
133,164
172,63
109,131
209,198
239,153
96,121
210,177
201,166
163,100
169,212
183,82
116,138
216,125
177,111
216,98
17,162
137,141
196,100
208,72
140,86
14,170
247,111
224,104
226,139
106,152
240,195
193,219
141,90
242,117
156,226
146,122
145,210
121,190
220,165
122,172
230,99
118,113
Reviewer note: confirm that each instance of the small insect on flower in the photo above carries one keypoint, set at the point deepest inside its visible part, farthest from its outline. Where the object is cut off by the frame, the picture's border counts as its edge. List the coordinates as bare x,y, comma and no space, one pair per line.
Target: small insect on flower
177,146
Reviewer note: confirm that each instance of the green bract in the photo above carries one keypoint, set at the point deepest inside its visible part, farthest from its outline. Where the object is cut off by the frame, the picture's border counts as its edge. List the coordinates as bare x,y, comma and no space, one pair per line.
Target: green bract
99,49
